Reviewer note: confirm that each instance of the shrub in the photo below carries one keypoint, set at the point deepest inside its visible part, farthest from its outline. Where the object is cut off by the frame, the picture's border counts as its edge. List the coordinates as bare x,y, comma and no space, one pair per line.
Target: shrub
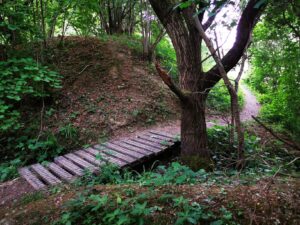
20,78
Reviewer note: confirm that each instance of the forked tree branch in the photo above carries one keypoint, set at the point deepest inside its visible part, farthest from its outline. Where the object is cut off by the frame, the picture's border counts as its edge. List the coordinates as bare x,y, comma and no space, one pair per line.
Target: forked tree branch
245,26
169,82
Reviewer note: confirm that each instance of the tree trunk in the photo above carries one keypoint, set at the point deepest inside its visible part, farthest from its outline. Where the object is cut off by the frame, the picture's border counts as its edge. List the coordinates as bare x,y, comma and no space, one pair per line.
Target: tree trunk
194,151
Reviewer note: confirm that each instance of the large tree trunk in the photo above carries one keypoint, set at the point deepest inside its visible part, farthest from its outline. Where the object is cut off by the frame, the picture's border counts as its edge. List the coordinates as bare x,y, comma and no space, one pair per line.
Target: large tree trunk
194,151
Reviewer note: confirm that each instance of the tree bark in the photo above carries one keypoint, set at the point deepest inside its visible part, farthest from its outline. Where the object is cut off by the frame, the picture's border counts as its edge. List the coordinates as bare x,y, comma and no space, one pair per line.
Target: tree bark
194,150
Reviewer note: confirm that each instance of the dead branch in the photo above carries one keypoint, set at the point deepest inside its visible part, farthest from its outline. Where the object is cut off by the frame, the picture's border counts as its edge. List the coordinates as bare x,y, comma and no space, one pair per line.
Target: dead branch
84,69
169,82
289,143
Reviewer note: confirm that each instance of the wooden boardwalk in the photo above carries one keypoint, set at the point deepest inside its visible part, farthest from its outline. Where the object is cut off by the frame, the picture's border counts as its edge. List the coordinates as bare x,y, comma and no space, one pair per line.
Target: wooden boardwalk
124,153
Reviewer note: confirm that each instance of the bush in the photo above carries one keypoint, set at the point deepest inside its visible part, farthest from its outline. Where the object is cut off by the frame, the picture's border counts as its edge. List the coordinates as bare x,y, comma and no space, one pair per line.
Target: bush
21,78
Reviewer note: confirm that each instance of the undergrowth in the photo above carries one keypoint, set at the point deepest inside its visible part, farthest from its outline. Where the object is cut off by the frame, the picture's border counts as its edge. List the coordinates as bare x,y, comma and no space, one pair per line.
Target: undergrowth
145,204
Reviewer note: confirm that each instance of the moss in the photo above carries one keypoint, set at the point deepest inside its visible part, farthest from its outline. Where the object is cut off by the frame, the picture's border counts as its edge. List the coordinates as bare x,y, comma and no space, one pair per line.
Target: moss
196,162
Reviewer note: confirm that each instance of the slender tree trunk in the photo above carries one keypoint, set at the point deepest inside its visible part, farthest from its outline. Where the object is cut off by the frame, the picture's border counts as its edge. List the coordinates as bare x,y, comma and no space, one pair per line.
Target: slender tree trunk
43,24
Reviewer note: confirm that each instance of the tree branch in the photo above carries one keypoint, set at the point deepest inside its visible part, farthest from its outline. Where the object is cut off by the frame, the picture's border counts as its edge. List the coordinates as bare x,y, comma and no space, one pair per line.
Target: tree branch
211,19
169,82
245,26
293,145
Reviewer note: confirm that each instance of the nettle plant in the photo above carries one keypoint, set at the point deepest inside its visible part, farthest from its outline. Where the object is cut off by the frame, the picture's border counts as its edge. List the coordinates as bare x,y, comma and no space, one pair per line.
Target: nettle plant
20,78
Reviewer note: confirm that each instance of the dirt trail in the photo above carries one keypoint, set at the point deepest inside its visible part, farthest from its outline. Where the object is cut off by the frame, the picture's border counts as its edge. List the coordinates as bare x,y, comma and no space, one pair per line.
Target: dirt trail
14,189
251,107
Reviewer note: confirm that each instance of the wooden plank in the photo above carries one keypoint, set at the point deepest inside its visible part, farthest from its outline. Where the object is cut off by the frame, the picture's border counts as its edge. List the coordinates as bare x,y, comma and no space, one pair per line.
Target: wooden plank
80,162
142,151
31,178
60,172
158,141
44,174
163,134
122,150
68,165
149,143
143,146
158,137
116,154
90,158
108,158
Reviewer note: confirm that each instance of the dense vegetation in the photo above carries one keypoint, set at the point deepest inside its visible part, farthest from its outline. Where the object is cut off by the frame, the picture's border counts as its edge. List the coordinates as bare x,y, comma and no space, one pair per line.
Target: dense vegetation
77,73
275,66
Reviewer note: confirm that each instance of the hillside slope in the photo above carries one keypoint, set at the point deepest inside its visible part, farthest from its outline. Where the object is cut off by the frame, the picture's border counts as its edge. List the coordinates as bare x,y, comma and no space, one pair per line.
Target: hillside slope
106,90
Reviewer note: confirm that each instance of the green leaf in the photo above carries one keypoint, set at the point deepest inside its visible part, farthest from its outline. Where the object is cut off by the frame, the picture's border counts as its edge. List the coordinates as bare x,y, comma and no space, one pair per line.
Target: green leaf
12,27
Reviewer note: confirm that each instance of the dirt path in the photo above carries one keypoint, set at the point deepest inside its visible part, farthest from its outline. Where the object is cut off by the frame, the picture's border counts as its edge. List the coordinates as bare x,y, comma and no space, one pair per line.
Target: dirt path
12,190
251,107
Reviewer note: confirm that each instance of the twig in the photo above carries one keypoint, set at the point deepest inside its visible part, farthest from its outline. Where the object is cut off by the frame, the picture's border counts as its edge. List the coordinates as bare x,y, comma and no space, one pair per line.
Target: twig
292,145
84,69
41,122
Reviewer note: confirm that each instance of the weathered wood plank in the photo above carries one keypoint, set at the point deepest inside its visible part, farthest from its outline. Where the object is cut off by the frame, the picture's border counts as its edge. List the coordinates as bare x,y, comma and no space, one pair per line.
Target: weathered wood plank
68,165
142,151
163,134
158,141
122,150
158,137
44,174
60,172
115,154
105,157
80,162
31,178
90,158
149,143
143,146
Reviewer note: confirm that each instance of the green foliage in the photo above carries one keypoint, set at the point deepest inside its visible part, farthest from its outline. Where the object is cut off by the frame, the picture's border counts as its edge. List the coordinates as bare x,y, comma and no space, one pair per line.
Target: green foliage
21,78
131,207
275,61
174,174
224,153
260,161
166,53
32,197
9,169
15,17
219,99
88,209
69,131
